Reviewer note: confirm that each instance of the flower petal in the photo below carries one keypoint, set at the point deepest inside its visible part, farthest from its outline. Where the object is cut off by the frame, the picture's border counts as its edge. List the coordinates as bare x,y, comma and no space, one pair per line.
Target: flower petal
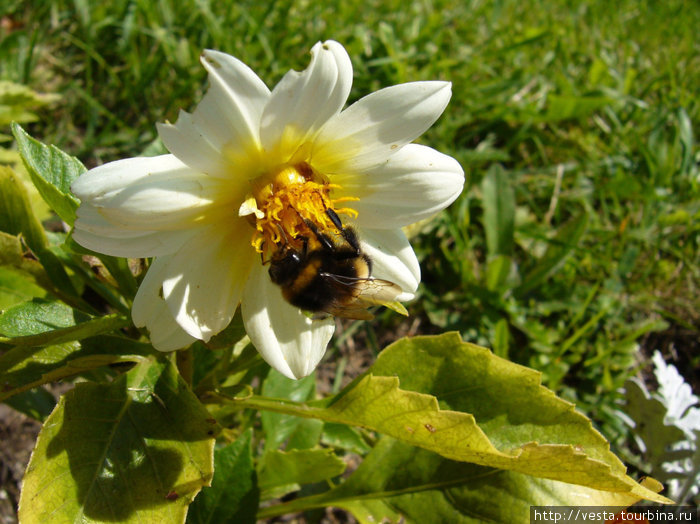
151,311
302,102
148,193
225,121
189,143
203,281
368,132
238,96
393,258
414,184
140,207
287,339
93,232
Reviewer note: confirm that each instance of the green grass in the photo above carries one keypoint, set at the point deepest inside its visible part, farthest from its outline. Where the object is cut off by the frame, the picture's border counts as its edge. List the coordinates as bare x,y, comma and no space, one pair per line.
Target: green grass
577,232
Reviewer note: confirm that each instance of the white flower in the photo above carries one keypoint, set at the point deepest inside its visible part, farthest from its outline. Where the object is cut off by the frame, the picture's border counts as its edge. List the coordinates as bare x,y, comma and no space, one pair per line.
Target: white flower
245,166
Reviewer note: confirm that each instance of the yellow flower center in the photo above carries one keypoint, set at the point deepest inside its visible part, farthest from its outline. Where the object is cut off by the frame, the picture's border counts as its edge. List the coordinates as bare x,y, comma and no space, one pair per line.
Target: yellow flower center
286,199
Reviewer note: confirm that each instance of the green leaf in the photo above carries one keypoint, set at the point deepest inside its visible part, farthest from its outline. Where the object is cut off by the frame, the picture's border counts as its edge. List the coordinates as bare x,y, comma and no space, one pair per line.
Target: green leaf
299,466
117,268
499,211
23,368
344,437
40,323
17,218
565,107
687,141
560,247
52,172
17,287
233,333
16,215
469,405
38,316
501,338
306,435
403,483
233,496
278,427
12,256
498,272
649,414
135,450
36,403
18,102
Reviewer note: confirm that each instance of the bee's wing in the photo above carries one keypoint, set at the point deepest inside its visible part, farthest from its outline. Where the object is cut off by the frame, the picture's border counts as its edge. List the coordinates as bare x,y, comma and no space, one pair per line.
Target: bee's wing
363,293
372,290
346,311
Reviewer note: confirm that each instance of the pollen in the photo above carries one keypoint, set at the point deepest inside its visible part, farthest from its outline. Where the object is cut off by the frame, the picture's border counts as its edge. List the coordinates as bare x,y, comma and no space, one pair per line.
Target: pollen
287,200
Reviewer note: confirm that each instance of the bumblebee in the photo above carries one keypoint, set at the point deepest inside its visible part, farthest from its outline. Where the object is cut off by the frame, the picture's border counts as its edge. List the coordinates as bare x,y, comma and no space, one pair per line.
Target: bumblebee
331,277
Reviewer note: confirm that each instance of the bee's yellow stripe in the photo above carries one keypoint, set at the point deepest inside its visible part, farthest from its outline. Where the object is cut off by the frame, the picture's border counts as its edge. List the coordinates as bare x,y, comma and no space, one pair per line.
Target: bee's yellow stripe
305,277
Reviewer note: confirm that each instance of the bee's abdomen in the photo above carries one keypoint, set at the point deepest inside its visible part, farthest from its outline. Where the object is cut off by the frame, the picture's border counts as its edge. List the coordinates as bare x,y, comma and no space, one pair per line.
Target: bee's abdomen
314,291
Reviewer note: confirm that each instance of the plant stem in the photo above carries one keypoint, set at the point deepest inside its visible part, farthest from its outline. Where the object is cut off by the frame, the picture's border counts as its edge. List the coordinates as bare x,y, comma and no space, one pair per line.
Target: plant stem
185,364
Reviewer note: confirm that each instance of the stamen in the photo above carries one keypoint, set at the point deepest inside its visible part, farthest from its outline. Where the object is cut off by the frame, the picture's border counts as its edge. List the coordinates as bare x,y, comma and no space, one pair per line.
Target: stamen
287,199
346,211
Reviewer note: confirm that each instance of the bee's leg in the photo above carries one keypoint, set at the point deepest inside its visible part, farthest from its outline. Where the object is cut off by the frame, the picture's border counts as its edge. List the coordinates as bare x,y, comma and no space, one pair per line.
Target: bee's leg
305,248
262,255
325,241
348,234
335,219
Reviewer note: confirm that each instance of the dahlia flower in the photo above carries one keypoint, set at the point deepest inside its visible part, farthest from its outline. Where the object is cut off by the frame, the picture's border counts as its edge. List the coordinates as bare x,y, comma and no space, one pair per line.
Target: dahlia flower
250,168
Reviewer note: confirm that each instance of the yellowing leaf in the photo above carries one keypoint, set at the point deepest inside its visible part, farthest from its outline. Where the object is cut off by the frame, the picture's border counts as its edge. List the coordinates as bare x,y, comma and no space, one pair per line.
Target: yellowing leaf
136,450
401,483
465,404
